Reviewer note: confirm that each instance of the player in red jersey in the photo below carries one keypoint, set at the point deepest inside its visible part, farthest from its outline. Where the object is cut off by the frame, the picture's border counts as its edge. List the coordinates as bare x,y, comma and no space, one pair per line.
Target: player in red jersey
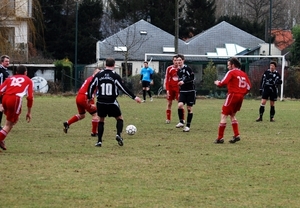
171,86
83,106
238,85
12,91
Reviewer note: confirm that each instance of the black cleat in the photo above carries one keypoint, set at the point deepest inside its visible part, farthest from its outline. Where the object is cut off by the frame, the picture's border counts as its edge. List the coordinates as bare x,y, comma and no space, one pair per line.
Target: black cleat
94,134
258,120
66,127
98,144
2,145
235,139
120,140
219,141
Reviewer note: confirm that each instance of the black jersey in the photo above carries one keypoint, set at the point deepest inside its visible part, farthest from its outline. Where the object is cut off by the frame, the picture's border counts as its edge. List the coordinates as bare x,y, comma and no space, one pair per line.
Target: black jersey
108,83
270,79
186,75
3,74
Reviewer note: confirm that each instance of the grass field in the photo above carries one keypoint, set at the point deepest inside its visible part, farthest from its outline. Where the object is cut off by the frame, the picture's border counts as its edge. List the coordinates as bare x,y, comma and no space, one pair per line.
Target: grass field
160,166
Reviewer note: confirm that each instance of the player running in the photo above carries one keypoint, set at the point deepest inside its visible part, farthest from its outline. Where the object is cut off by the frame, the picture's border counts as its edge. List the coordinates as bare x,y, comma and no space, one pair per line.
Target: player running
108,82
83,106
12,91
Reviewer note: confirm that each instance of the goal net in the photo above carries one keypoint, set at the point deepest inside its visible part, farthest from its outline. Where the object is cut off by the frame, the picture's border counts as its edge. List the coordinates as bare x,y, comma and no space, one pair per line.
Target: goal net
253,65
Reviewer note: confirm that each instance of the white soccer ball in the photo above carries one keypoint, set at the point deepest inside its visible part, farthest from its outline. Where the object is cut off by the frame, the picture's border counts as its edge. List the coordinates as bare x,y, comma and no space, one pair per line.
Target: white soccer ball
131,129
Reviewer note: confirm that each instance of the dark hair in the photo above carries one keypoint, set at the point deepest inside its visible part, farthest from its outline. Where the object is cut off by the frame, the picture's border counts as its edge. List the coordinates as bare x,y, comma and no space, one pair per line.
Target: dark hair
273,62
145,62
180,56
176,56
21,69
110,62
235,62
4,57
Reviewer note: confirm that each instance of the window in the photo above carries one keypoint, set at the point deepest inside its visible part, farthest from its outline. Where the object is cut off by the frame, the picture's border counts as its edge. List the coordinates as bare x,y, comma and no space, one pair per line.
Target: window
7,8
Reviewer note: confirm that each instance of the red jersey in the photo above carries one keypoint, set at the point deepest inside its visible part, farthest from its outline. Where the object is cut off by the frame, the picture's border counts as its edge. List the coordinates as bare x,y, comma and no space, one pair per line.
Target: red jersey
84,87
237,81
171,78
18,85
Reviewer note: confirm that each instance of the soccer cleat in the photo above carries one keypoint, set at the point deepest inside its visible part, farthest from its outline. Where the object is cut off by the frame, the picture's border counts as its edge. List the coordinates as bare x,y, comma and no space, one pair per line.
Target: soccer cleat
98,144
258,120
168,121
66,127
151,99
143,101
186,129
219,141
272,120
119,140
179,125
94,134
235,139
2,145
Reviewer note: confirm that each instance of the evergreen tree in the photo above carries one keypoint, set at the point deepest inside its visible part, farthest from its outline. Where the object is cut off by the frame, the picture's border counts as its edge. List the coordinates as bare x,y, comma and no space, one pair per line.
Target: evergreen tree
200,16
161,13
60,25
295,58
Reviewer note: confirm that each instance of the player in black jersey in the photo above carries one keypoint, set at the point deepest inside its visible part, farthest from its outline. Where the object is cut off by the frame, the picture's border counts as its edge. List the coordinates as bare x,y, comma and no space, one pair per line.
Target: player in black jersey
108,82
270,81
4,63
187,93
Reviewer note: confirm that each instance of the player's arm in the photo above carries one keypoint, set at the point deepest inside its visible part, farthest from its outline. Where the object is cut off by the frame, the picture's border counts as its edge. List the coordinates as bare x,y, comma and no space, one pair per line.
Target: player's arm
29,101
278,80
92,87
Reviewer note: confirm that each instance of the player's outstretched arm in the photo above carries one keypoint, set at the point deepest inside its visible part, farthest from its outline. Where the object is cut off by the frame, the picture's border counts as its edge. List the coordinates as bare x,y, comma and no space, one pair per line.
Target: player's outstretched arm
137,99
28,115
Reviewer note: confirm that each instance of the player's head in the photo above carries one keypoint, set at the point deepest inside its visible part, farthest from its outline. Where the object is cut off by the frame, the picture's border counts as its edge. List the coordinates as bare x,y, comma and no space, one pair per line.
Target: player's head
110,62
273,65
21,69
175,59
145,63
4,60
233,63
180,60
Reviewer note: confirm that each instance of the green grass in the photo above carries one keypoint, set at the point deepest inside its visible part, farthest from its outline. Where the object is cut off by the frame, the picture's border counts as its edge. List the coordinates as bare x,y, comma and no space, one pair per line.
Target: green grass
160,166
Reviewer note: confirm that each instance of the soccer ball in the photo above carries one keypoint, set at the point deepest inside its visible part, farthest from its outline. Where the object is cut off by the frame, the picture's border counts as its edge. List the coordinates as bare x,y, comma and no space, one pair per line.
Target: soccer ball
131,129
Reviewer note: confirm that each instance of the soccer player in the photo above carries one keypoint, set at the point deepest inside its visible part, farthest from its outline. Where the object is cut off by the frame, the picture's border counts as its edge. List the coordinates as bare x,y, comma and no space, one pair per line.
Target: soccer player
108,82
270,81
83,106
172,88
187,93
146,80
12,91
4,64
238,85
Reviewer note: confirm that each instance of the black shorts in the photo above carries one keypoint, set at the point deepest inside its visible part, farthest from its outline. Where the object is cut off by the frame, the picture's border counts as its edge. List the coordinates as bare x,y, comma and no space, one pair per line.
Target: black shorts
271,92
145,84
188,98
110,109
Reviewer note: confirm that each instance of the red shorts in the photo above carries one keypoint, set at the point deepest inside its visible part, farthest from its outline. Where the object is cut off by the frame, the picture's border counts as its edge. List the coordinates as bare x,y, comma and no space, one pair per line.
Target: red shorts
12,106
173,94
83,105
232,104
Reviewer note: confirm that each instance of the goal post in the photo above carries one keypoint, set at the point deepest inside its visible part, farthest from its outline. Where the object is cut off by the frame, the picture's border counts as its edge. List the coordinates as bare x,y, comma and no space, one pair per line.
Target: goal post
281,57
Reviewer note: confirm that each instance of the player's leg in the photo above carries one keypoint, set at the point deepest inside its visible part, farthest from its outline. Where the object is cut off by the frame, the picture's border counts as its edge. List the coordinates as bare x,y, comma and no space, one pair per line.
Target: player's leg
261,109
100,131
272,110
115,111
189,118
81,106
91,108
169,106
221,129
180,114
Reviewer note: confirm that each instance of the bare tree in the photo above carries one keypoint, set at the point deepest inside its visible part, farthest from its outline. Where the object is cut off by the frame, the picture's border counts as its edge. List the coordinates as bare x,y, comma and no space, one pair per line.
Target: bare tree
131,39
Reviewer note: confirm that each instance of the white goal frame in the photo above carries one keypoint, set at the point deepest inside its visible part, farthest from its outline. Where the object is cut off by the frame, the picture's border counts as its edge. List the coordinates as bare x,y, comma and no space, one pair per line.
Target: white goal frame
283,61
